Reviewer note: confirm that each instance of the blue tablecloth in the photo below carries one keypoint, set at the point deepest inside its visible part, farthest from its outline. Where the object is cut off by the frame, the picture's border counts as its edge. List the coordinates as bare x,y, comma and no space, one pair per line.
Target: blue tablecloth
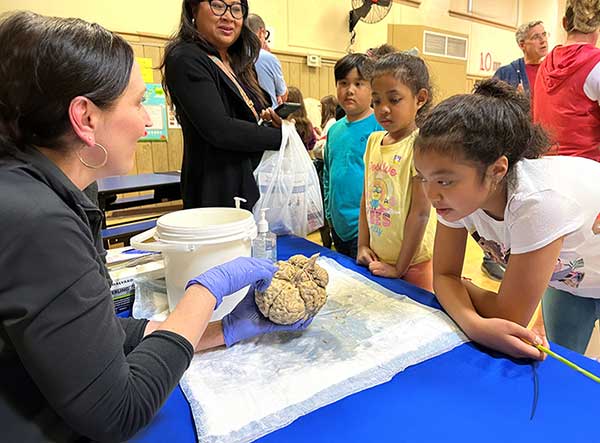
467,395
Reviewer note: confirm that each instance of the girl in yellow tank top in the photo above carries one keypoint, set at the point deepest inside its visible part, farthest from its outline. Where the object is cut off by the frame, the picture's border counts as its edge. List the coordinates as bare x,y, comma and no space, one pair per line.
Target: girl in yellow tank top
395,228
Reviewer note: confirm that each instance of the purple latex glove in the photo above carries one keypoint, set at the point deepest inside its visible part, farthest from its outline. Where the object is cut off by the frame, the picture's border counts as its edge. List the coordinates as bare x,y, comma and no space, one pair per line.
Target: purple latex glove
246,321
230,277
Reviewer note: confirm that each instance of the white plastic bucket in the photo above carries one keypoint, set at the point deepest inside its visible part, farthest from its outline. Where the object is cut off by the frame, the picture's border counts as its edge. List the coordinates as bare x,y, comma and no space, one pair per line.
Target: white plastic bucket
194,240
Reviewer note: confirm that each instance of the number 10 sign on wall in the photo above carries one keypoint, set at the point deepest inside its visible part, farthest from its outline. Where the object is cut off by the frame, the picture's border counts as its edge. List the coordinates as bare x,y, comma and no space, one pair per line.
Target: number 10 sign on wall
156,105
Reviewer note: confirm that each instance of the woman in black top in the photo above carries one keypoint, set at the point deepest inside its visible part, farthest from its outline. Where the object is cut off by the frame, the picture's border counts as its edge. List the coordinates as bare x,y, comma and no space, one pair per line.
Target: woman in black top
71,112
209,75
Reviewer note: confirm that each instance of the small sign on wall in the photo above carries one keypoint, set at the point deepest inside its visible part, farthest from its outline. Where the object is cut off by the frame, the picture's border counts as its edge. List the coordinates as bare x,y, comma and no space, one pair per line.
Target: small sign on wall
156,106
487,63
173,123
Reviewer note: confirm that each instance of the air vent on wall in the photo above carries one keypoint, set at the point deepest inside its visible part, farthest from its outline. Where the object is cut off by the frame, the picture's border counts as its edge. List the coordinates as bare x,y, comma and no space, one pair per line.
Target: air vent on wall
443,45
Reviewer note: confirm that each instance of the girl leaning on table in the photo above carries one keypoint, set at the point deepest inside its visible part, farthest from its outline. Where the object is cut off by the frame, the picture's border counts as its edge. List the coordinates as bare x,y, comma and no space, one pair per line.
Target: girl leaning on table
479,160
71,112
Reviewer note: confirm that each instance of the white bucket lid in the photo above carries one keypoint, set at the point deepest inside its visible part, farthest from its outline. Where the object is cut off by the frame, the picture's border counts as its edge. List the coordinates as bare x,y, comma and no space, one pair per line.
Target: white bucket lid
205,226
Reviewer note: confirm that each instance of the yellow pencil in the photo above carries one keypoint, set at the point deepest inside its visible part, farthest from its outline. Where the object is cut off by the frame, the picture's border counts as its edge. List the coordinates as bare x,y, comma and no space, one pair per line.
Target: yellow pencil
568,363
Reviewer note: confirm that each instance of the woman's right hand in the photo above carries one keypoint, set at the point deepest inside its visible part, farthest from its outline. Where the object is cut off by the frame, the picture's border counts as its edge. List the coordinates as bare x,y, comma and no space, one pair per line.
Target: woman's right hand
268,115
230,277
365,256
507,337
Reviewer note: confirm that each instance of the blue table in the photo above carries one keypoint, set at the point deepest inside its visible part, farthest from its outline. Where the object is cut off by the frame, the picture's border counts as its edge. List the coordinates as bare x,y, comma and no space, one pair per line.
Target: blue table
469,394
166,186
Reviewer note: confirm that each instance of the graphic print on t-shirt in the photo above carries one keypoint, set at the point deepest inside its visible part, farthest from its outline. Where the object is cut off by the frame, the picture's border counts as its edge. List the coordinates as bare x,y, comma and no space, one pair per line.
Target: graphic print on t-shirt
566,272
563,272
596,225
381,201
493,249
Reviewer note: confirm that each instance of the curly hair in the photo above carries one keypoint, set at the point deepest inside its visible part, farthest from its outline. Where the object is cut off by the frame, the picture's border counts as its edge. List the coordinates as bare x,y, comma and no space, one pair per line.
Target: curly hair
481,127
582,16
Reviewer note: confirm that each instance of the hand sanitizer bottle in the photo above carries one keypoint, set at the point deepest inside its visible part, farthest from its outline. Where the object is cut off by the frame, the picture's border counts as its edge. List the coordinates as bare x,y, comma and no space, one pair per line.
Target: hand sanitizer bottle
265,244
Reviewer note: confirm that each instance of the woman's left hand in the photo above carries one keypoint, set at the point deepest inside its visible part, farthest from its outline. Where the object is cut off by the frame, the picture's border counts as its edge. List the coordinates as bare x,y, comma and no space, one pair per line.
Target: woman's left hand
268,115
381,269
246,321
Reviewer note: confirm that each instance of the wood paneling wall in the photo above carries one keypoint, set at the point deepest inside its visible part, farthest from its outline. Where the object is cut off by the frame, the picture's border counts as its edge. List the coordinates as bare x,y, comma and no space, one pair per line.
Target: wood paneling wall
313,82
472,79
167,156
155,156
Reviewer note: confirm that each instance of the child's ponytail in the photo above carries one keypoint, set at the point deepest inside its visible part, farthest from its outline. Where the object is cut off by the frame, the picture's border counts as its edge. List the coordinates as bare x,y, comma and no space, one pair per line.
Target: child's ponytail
537,142
483,126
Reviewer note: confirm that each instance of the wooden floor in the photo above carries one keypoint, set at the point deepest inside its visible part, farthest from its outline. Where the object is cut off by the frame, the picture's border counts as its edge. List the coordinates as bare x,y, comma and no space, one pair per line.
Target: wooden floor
471,269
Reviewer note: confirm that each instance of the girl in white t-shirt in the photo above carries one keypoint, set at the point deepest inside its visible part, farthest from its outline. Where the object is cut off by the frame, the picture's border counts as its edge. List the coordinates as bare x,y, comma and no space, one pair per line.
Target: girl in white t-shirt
479,159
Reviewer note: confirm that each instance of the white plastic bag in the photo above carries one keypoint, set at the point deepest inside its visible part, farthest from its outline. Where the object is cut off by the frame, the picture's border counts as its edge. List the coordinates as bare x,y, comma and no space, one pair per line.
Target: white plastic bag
289,187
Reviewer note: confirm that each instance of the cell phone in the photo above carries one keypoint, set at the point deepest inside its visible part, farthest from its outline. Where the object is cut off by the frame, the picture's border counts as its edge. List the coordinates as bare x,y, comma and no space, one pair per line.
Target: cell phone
285,109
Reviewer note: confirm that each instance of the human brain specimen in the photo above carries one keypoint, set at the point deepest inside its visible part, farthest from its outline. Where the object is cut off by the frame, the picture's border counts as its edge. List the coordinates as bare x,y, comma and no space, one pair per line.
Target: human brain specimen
296,293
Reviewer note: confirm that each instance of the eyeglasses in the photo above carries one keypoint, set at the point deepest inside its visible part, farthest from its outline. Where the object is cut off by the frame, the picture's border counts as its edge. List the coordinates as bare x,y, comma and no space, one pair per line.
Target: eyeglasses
267,34
540,37
219,8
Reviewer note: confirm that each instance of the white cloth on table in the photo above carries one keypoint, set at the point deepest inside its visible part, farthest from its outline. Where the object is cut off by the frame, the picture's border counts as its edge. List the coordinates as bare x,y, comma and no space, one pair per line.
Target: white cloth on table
362,337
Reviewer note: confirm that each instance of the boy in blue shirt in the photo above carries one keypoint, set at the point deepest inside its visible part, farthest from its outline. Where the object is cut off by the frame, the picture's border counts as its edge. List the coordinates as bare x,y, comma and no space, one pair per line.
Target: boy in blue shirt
343,170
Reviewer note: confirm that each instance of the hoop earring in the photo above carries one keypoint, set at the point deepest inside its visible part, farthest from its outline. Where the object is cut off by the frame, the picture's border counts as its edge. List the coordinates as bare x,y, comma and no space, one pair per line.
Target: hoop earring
89,165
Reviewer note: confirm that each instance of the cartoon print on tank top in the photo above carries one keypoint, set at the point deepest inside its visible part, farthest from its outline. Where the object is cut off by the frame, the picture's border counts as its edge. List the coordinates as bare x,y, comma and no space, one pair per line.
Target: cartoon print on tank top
381,203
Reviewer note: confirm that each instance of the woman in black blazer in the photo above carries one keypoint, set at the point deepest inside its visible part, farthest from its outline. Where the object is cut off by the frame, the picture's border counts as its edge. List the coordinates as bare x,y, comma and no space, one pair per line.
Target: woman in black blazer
209,75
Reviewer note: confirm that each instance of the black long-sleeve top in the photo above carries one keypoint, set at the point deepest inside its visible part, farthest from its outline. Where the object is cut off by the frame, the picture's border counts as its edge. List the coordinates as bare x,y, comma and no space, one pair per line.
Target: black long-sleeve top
70,370
223,143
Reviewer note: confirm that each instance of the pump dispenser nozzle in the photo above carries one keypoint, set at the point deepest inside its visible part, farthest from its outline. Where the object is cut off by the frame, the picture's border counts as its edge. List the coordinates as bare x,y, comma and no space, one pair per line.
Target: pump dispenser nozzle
263,224
238,200
265,243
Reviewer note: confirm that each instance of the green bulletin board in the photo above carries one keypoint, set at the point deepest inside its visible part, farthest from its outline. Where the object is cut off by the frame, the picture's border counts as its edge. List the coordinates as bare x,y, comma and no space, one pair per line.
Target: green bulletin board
156,105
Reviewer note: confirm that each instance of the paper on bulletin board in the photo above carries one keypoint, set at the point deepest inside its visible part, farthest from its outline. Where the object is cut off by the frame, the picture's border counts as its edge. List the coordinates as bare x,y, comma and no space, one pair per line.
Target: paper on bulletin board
156,106
146,68
172,118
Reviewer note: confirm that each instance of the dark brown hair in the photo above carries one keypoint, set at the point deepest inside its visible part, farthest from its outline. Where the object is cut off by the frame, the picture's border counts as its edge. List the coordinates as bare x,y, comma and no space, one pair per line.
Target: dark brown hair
361,62
243,52
303,124
410,70
483,126
379,51
329,104
46,63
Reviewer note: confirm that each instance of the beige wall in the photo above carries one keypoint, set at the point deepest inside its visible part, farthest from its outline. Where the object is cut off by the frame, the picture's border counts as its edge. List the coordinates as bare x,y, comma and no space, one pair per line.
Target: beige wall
149,16
319,26
315,26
